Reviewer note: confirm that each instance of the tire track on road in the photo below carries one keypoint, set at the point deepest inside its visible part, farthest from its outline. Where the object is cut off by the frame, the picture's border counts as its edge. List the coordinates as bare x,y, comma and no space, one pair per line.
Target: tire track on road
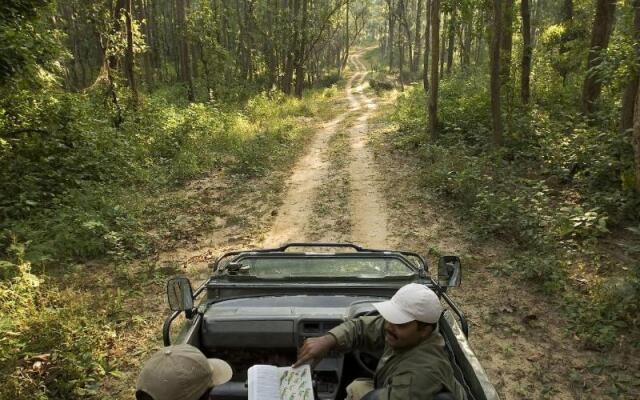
292,219
368,207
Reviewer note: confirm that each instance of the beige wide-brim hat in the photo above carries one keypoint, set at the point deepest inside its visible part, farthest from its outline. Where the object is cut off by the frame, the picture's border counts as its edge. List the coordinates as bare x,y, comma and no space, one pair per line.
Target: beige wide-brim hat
181,372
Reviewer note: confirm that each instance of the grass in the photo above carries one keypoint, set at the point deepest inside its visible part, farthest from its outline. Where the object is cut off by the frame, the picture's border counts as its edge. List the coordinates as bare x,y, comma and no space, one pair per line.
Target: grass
80,290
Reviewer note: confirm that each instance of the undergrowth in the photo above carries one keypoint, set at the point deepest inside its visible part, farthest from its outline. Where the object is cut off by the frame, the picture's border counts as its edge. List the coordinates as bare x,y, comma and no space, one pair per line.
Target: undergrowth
558,188
76,188
67,188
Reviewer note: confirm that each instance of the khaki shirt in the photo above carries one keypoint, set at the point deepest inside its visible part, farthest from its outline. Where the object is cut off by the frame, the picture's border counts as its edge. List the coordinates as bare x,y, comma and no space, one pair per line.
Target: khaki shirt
418,373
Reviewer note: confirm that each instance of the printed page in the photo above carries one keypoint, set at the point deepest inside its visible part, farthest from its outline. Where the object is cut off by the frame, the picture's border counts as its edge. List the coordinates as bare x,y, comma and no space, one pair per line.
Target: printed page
263,383
295,384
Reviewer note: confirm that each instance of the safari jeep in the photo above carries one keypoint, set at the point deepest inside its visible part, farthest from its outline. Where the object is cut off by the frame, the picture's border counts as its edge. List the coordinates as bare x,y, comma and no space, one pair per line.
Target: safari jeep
258,307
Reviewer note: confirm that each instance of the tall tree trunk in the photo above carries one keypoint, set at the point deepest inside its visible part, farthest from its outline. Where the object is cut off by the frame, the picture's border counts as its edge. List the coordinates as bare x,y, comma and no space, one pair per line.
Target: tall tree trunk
288,74
147,60
115,30
400,46
506,42
566,14
418,39
301,51
450,46
185,61
435,52
407,31
628,99
465,41
496,116
443,43
636,138
269,44
526,51
392,24
129,57
291,50
427,40
600,35
346,41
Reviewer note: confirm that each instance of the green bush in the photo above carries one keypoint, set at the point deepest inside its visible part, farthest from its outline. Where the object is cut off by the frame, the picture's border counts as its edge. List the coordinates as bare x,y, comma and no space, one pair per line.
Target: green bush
52,347
67,176
559,184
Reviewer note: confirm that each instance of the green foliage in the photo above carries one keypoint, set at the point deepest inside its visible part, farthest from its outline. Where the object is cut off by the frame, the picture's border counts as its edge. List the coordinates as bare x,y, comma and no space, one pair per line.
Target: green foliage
559,185
51,347
62,342
29,49
67,175
607,310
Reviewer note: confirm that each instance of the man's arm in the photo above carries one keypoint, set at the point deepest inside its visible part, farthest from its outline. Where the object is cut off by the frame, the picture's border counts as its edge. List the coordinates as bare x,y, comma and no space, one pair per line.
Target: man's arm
315,349
363,332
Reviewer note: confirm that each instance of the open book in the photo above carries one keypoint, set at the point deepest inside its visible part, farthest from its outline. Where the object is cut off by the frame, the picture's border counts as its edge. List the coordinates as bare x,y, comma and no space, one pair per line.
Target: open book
267,382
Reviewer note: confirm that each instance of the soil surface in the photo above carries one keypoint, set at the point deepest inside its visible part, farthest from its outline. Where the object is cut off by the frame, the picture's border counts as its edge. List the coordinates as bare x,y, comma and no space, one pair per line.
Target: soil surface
351,185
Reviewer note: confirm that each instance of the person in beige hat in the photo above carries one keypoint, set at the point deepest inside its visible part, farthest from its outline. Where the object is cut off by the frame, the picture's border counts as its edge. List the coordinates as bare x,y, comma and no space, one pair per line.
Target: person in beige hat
414,364
180,372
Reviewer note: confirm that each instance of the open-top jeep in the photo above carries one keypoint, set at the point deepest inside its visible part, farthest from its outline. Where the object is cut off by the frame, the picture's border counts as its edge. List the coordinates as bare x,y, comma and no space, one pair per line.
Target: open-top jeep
260,305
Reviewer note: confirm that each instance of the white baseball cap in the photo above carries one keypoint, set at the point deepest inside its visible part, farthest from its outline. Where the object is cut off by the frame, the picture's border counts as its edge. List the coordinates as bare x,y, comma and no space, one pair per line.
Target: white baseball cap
412,302
181,372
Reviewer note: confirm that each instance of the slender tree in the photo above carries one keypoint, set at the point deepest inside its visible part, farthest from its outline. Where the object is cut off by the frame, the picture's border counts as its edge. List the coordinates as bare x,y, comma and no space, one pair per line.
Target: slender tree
301,48
435,53
496,116
451,33
602,27
506,42
427,30
391,36
636,138
418,39
566,13
443,43
129,57
628,99
526,51
183,53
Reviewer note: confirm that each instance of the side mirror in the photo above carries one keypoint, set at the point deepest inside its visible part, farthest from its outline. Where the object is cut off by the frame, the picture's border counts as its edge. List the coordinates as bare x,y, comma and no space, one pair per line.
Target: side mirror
180,294
449,271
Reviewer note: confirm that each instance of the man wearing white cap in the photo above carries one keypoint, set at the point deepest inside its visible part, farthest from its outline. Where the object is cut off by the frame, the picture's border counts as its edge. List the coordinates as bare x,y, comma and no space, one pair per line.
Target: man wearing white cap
180,372
413,366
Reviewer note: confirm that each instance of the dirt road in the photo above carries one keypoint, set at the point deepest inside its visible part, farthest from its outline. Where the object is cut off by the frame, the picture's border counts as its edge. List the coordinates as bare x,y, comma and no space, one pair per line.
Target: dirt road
367,208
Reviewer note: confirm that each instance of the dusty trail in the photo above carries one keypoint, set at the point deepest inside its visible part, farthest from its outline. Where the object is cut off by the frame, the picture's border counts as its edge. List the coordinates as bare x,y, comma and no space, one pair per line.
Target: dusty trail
366,209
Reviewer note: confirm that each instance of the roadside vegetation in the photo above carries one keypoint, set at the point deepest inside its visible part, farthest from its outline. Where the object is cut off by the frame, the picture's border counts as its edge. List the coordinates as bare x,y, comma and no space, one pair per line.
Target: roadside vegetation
559,186
97,198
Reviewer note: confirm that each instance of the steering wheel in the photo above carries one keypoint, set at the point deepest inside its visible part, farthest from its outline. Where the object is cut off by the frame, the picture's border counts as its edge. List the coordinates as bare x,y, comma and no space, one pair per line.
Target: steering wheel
359,355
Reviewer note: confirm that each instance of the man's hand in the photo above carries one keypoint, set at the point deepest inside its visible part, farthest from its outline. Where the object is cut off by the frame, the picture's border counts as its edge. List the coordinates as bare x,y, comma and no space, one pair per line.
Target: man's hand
314,349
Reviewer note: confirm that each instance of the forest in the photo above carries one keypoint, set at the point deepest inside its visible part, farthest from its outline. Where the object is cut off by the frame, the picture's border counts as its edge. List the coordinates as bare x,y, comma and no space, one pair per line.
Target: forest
132,129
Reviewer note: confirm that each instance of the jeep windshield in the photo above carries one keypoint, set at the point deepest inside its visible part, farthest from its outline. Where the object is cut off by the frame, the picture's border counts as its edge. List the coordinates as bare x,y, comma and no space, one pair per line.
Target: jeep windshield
319,266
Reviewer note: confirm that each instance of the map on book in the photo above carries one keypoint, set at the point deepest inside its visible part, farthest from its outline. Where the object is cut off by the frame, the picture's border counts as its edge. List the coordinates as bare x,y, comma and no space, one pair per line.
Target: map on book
267,382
